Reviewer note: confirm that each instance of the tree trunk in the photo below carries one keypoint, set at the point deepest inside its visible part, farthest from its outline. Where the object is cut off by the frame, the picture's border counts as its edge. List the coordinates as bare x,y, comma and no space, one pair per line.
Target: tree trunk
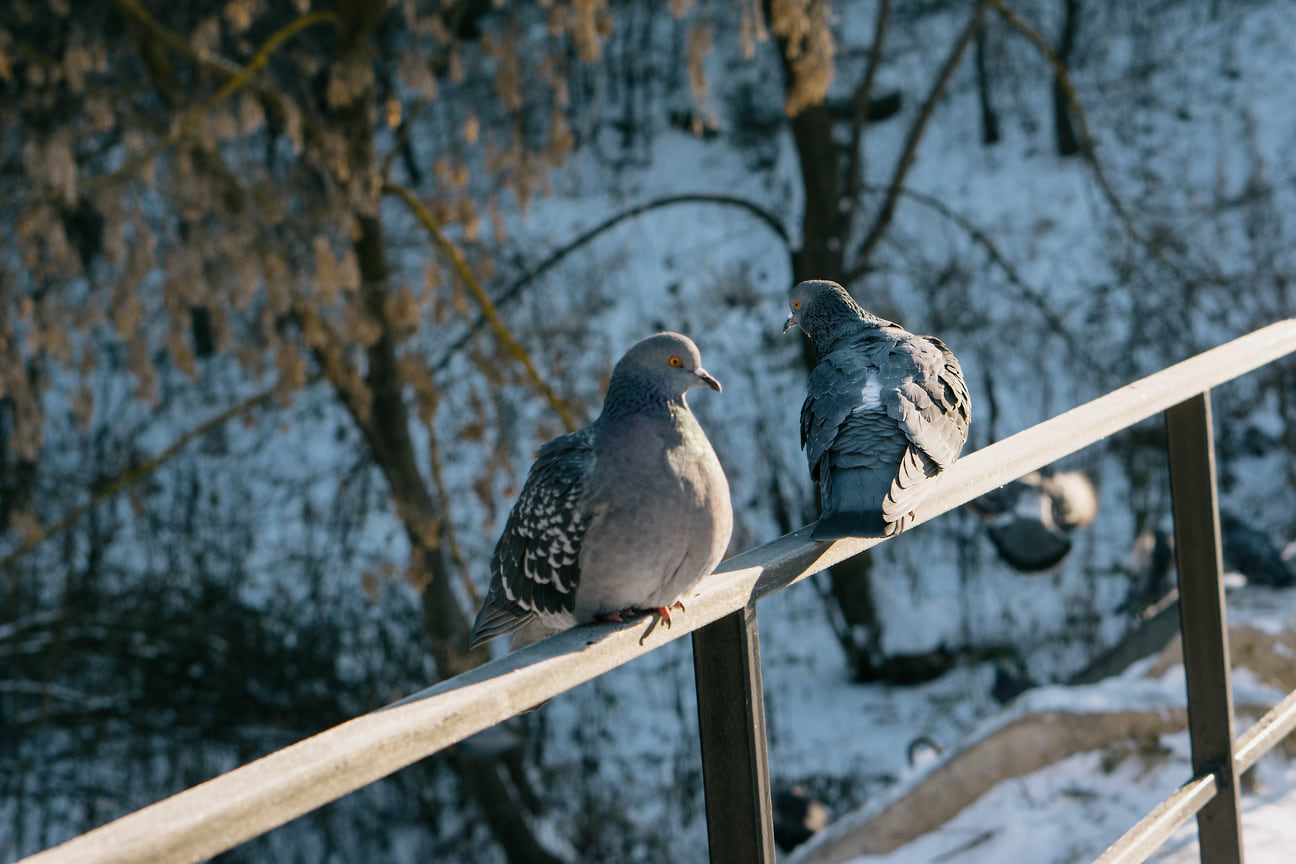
821,252
1068,143
989,118
821,256
386,427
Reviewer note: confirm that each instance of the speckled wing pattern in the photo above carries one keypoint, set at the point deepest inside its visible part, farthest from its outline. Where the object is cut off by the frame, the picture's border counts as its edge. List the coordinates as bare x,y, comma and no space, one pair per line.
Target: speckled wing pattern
535,568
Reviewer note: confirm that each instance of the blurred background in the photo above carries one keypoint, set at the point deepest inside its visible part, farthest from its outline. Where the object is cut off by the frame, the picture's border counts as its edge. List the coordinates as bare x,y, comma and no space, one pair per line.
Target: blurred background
290,293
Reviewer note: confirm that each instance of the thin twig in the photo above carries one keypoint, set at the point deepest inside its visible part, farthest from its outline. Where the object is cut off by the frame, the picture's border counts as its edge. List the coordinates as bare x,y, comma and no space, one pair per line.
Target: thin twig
138,472
208,61
909,152
1033,296
1154,250
1073,103
443,499
859,115
554,258
469,279
235,82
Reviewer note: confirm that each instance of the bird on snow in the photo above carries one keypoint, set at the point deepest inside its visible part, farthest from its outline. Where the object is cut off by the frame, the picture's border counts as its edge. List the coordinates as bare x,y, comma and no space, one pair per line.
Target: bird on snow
1030,520
885,412
1250,551
1248,554
622,517
798,816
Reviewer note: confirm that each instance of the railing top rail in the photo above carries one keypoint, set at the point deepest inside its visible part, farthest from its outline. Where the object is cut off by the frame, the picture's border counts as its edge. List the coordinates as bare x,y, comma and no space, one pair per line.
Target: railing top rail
221,813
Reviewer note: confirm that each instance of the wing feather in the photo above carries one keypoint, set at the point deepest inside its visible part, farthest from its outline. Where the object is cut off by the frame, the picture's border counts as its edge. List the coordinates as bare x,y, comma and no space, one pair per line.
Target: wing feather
536,565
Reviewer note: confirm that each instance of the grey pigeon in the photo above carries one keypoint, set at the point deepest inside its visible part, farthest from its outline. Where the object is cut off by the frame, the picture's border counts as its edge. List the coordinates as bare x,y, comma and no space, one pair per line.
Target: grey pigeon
621,517
885,412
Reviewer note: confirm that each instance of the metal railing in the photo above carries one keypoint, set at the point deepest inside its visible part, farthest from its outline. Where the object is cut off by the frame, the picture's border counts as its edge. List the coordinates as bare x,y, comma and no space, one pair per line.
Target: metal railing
250,800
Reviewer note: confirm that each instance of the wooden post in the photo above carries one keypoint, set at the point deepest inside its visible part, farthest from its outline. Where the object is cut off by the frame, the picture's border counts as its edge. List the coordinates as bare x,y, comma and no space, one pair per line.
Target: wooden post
731,719
1203,625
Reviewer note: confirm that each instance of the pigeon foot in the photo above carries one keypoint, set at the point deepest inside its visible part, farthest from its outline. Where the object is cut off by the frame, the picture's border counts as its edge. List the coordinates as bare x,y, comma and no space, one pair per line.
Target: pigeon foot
661,615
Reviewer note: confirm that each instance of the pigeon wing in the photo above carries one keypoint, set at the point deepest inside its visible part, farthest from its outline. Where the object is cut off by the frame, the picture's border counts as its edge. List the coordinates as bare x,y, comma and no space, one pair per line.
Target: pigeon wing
925,393
838,386
535,568
923,385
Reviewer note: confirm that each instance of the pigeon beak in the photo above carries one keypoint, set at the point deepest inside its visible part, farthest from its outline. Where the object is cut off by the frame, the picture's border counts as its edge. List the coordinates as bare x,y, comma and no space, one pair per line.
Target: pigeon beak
789,324
705,377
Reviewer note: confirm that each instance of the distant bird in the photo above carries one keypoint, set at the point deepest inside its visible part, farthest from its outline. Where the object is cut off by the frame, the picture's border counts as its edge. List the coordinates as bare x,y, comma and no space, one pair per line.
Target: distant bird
1249,557
923,751
798,816
1249,551
1030,520
622,517
885,412
1009,683
1152,571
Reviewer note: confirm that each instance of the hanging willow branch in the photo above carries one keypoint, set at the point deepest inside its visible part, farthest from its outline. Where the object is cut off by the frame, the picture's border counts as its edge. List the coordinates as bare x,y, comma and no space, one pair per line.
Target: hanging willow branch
238,78
470,281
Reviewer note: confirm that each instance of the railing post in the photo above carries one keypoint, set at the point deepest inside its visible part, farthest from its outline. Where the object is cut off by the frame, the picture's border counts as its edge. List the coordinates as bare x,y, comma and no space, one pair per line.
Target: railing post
731,720
1203,625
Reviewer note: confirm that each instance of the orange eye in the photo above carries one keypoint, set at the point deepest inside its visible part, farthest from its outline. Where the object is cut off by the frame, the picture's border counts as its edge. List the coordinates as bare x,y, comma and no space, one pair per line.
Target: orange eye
675,361
796,304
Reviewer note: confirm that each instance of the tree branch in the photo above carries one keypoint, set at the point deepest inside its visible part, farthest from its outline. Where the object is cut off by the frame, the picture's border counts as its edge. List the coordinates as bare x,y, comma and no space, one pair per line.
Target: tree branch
469,279
859,114
1032,295
1073,101
556,257
138,472
443,500
910,150
237,79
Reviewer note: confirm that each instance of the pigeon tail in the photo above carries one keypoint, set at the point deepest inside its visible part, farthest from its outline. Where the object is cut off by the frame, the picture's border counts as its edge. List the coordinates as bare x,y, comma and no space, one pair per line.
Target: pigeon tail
852,500
495,621
849,523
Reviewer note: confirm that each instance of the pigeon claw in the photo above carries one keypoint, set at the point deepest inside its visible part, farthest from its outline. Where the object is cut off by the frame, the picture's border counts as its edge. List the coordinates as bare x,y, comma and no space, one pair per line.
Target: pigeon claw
661,615
664,612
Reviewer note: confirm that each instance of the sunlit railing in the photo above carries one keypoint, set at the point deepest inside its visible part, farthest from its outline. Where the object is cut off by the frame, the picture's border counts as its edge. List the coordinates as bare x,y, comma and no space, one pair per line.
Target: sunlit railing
221,813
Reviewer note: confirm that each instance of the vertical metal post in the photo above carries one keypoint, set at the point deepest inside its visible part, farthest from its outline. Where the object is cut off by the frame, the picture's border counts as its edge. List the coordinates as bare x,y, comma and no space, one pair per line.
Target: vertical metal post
731,719
1203,625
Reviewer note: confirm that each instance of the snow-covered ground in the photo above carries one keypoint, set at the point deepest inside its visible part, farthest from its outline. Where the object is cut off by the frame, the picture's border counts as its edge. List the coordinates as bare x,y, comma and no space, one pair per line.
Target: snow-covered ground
1069,811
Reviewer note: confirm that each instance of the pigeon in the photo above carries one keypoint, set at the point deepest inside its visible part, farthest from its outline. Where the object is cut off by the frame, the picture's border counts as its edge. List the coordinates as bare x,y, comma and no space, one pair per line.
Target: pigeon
1030,520
798,816
885,412
1010,683
1248,550
622,517
1249,557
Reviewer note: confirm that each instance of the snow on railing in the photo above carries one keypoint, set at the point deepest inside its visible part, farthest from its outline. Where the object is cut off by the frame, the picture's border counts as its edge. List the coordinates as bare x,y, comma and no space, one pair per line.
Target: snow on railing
250,800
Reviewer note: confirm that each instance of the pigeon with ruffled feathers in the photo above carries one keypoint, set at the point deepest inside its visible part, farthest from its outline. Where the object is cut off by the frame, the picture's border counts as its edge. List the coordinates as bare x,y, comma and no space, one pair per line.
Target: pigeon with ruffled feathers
622,517
885,412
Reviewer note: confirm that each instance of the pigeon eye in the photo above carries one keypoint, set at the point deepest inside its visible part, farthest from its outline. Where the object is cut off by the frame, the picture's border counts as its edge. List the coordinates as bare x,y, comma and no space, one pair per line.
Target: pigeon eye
675,361
796,304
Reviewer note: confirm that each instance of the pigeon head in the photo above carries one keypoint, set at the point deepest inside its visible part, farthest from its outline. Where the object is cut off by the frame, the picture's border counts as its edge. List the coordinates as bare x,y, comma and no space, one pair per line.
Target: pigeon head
818,306
665,365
